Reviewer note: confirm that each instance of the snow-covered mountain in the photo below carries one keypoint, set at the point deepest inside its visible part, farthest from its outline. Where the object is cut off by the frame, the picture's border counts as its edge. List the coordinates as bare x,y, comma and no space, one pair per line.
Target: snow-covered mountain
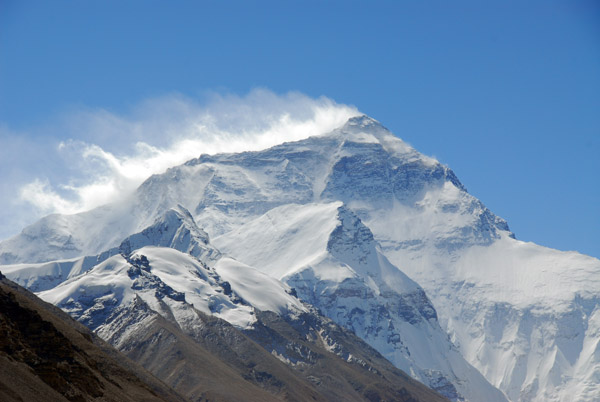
525,316
170,273
170,266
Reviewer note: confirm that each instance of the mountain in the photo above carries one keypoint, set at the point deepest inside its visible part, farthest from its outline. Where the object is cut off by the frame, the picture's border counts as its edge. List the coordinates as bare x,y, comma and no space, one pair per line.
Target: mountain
525,316
46,355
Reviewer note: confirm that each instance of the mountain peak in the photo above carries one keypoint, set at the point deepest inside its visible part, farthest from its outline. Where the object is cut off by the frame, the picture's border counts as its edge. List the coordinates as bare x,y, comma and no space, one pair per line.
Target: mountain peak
366,130
362,121
176,229
365,125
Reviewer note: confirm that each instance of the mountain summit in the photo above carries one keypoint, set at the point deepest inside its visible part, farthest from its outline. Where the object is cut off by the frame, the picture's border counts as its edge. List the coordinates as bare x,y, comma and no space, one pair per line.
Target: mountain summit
384,241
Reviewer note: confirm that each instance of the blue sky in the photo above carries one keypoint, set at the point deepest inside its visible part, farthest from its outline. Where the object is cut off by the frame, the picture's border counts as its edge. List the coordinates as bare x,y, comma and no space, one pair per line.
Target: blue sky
507,93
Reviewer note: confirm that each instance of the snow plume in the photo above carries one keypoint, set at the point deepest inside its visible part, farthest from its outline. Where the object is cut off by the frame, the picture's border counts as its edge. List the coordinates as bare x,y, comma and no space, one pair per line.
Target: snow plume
107,155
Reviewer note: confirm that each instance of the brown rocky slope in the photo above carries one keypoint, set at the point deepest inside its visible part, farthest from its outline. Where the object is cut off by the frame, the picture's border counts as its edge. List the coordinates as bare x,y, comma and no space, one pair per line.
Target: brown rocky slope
47,356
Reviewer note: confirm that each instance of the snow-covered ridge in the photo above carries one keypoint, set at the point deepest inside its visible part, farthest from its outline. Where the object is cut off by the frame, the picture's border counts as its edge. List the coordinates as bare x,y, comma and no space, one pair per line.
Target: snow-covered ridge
175,229
173,268
47,275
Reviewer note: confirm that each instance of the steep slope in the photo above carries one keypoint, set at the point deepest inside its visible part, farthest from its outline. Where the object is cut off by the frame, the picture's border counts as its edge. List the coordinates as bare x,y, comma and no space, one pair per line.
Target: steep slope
332,261
45,355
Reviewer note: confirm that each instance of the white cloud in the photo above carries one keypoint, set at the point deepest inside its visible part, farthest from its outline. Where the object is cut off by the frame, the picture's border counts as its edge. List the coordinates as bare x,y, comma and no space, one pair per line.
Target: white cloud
39,193
108,155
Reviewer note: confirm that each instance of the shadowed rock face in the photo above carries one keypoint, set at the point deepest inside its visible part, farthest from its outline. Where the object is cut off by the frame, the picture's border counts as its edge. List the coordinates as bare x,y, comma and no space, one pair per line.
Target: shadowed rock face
305,358
47,357
314,346
29,339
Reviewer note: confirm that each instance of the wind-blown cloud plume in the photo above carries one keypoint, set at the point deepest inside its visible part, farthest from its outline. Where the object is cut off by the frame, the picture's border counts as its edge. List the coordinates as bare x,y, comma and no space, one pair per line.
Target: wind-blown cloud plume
105,155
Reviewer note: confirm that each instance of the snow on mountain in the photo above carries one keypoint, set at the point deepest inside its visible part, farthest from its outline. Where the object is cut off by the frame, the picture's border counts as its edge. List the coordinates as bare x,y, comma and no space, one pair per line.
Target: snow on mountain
165,279
175,229
226,190
57,237
524,315
47,275
171,266
127,296
151,267
333,262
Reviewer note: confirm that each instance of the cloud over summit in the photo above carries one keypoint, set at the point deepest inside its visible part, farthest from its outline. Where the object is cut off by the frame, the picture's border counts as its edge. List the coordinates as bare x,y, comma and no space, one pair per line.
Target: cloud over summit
104,156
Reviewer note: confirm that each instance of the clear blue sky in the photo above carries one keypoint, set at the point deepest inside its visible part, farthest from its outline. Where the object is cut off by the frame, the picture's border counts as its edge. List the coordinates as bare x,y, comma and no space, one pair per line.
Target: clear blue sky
507,93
